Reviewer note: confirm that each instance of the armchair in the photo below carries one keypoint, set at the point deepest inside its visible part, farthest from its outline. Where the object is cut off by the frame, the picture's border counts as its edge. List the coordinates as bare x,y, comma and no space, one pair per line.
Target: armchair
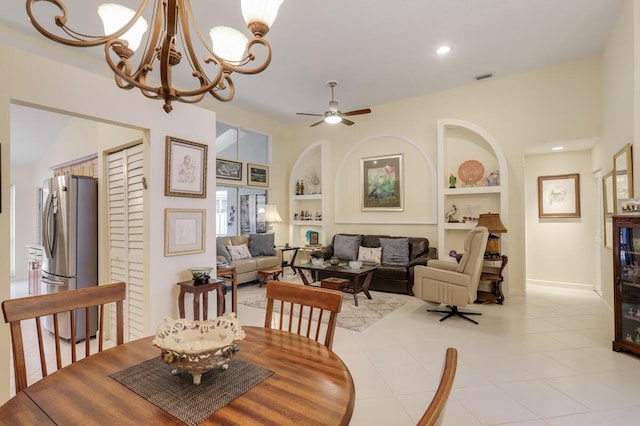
454,284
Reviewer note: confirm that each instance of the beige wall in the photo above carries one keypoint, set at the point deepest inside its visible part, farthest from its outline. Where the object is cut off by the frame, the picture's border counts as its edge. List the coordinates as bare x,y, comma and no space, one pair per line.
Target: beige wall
621,100
561,251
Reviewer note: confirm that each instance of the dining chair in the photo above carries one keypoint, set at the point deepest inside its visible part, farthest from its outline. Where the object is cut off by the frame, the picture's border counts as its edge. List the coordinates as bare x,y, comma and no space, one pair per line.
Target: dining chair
435,411
304,305
66,303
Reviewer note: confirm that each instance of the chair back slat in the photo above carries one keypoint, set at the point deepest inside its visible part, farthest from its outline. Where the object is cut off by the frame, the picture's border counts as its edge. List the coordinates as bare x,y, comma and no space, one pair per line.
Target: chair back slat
435,411
305,306
67,302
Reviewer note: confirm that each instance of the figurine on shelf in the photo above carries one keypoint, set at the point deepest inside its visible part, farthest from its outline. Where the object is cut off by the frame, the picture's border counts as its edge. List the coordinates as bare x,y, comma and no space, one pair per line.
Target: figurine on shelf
637,341
295,216
297,187
452,181
493,179
301,187
451,214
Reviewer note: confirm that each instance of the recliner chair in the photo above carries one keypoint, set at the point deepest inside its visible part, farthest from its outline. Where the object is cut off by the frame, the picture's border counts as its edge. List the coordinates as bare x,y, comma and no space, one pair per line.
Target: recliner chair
454,284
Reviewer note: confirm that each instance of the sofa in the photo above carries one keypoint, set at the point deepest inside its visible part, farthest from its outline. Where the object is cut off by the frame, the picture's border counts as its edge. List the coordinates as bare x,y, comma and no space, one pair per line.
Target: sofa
395,258
249,254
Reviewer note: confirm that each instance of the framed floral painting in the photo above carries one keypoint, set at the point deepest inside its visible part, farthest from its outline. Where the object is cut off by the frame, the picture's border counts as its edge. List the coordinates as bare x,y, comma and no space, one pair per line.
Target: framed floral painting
381,183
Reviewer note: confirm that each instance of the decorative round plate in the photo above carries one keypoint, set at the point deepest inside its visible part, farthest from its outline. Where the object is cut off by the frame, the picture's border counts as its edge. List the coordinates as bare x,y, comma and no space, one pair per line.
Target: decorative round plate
470,172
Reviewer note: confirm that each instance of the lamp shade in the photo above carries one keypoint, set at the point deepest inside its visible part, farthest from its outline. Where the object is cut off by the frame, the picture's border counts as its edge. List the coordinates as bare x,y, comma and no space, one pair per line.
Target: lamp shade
115,16
228,43
492,222
271,214
264,11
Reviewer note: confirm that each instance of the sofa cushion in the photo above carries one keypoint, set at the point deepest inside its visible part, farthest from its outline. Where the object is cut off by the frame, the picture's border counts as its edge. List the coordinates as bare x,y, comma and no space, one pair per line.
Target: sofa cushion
395,251
346,246
391,272
370,254
261,244
239,252
245,265
221,250
417,247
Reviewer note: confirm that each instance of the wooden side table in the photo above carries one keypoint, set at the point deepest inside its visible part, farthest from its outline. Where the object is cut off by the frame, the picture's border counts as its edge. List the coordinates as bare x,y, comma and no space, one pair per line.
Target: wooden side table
229,273
292,259
197,290
494,275
271,272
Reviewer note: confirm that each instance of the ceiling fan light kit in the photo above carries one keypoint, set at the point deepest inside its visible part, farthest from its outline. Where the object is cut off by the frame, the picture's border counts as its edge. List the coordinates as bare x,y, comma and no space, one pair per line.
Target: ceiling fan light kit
333,115
173,24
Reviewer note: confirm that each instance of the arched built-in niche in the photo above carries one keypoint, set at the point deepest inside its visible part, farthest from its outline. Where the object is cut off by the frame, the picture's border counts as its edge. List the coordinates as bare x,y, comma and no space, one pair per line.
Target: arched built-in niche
418,183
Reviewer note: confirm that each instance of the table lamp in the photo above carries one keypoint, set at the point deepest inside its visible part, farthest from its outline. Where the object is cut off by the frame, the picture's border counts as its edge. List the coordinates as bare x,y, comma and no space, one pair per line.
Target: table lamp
271,216
494,224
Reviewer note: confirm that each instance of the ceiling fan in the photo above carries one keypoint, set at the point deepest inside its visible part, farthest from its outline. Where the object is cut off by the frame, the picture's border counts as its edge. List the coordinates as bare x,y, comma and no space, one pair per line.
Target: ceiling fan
334,115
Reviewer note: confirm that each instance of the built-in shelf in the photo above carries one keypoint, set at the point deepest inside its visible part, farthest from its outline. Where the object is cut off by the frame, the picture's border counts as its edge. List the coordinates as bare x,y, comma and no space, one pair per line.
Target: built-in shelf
307,197
473,190
313,162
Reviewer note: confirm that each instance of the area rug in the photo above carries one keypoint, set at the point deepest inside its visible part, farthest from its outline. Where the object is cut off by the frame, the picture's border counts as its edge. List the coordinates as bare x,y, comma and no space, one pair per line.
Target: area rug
356,318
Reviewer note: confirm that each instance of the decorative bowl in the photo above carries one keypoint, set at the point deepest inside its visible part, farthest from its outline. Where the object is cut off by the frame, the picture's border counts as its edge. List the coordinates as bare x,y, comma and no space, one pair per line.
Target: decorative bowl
355,264
317,261
201,273
334,261
198,346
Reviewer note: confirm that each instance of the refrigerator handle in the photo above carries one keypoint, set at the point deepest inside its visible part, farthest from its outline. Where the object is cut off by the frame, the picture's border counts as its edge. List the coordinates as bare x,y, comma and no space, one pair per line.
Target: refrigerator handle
52,282
49,245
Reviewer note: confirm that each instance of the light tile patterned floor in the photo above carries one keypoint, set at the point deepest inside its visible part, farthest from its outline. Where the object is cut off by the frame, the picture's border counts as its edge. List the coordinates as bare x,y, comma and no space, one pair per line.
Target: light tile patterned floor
543,359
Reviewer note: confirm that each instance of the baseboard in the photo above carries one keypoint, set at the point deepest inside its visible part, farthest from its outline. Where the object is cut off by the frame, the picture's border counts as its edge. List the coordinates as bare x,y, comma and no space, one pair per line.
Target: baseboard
560,284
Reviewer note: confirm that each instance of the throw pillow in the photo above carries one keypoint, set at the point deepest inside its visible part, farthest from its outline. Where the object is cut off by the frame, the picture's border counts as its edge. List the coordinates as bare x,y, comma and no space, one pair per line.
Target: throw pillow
261,244
239,252
395,251
345,247
370,254
221,250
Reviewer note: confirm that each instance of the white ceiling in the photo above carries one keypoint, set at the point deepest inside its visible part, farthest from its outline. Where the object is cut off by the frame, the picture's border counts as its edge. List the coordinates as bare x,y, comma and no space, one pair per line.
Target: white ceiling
380,51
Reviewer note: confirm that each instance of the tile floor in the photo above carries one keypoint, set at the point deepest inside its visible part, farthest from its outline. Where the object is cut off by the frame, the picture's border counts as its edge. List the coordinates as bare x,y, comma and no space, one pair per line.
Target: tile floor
543,359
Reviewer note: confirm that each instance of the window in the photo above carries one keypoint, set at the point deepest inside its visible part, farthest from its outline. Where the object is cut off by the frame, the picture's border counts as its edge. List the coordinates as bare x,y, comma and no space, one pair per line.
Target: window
240,210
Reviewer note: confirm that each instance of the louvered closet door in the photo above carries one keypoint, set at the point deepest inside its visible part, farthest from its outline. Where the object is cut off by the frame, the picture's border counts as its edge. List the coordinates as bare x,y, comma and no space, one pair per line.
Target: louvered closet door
126,196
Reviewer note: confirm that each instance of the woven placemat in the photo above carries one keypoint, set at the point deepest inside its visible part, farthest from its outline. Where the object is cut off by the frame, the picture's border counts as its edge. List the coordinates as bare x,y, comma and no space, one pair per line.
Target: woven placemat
178,396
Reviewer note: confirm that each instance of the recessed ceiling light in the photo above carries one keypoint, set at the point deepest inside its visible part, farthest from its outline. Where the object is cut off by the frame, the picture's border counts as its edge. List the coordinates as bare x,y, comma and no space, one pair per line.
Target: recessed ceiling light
443,50
557,148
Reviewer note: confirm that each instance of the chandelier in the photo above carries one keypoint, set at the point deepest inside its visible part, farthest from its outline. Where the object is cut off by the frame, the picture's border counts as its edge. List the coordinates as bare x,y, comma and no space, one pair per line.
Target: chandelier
173,25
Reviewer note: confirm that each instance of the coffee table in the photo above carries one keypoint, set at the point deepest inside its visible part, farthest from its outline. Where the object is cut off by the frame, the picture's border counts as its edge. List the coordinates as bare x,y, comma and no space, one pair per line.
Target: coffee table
359,278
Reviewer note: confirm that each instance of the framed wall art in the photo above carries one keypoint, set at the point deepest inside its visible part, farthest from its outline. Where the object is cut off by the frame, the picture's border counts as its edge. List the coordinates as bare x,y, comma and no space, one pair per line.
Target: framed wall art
381,183
607,207
184,231
257,175
623,176
185,169
228,169
559,196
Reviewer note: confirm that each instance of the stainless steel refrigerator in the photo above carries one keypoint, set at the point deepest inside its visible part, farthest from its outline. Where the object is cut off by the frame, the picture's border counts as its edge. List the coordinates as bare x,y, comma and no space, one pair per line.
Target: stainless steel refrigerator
70,241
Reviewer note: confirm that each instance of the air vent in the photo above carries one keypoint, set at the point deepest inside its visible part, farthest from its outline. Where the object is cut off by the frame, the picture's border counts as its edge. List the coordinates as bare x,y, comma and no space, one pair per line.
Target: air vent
484,76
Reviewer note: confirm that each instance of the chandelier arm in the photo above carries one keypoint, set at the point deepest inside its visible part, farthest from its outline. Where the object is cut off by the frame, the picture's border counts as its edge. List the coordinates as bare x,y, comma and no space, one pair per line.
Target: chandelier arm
121,70
79,39
231,90
251,57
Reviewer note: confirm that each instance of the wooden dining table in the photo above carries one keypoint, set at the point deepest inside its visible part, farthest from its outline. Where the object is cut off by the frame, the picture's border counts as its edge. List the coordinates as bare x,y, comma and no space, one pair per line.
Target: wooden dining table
310,385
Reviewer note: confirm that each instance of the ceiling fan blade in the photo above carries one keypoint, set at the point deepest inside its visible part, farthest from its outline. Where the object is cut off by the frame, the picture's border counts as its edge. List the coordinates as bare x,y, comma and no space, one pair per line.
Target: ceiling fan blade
308,113
357,112
316,123
347,122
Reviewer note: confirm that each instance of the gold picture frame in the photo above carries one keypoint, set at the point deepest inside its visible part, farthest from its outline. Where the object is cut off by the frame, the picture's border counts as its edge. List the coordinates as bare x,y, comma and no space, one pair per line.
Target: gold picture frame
257,175
185,168
559,196
381,183
184,231
623,175
607,208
